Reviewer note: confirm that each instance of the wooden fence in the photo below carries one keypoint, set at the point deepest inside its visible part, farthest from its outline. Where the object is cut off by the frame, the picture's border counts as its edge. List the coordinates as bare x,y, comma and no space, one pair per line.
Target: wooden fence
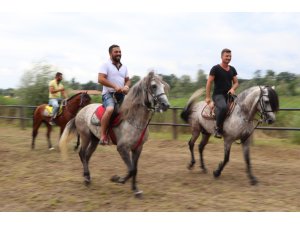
20,112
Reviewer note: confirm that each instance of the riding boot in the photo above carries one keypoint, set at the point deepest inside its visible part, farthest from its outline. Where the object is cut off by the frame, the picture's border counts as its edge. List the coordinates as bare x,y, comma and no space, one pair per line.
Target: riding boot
218,132
51,122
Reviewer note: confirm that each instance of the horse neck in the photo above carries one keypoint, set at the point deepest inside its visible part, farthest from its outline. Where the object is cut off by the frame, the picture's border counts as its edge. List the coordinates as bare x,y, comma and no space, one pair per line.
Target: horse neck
249,104
140,115
72,105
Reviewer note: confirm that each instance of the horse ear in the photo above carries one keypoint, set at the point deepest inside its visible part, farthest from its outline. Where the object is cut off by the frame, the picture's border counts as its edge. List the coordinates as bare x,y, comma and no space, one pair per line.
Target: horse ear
273,87
151,74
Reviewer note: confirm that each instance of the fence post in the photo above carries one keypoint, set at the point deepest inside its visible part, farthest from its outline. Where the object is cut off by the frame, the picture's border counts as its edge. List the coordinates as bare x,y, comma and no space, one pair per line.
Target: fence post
22,117
174,127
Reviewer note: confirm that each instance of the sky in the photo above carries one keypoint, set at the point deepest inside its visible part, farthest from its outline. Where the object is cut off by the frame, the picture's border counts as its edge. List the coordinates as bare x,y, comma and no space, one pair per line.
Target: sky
167,41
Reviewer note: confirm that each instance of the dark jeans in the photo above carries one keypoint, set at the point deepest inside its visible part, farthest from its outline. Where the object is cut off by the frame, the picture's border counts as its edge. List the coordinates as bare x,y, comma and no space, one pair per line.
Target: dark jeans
221,109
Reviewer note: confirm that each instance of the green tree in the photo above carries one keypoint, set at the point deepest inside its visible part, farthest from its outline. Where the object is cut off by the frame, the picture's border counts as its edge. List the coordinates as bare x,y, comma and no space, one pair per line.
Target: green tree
34,83
135,79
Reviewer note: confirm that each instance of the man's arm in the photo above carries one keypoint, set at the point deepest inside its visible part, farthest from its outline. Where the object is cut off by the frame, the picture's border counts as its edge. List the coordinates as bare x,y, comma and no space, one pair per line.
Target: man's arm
102,79
234,86
126,86
208,88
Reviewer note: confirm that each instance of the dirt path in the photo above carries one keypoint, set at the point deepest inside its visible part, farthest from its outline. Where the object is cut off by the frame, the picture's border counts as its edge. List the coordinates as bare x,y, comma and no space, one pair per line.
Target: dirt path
40,181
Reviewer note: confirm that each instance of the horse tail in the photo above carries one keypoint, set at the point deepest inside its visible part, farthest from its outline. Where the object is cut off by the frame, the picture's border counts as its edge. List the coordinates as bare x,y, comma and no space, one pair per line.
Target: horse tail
188,108
69,132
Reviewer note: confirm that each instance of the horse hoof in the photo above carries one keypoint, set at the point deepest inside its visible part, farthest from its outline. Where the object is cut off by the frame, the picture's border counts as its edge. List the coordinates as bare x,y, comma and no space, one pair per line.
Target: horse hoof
115,178
204,170
253,181
190,167
138,194
216,173
87,181
51,149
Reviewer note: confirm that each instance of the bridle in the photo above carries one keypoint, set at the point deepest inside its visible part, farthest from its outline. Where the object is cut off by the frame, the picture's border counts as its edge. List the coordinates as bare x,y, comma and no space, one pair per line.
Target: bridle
263,112
156,100
65,102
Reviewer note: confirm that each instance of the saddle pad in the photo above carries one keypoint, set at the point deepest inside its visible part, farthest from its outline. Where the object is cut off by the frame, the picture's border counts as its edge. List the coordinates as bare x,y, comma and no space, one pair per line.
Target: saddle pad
100,111
49,110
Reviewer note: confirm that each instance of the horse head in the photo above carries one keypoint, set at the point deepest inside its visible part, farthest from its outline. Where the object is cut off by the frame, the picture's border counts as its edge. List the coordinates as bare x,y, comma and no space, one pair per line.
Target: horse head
268,104
156,92
85,99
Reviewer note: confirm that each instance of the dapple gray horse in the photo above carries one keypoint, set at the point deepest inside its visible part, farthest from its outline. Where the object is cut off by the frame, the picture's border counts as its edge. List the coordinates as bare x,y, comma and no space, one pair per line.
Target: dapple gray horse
239,125
145,97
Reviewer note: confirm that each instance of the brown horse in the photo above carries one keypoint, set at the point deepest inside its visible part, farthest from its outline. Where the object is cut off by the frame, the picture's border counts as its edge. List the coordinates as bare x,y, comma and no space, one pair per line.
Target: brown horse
70,107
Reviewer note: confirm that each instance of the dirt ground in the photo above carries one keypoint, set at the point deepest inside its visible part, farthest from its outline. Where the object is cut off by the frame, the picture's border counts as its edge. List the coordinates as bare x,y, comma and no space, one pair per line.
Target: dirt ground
40,180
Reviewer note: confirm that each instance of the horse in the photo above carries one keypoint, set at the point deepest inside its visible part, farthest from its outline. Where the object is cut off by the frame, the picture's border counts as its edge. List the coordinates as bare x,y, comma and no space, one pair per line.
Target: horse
240,124
70,107
143,99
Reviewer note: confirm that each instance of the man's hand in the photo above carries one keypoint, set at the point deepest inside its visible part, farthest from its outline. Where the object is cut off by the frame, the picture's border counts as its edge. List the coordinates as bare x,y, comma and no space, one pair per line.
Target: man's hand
118,89
207,100
125,89
231,91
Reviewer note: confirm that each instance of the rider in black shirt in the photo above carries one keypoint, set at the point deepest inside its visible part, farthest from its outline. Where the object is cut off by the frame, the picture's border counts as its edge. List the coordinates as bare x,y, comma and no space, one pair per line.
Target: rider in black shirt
225,82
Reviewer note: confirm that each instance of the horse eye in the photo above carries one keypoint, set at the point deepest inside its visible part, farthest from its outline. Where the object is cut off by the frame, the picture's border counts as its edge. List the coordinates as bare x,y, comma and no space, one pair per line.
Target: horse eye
267,102
153,86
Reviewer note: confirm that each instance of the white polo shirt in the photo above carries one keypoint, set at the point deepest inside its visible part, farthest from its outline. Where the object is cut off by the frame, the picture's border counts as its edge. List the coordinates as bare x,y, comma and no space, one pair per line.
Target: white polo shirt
114,75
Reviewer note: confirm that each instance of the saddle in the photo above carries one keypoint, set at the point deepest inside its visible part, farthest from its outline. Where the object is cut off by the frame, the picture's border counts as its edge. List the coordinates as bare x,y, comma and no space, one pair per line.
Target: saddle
208,111
49,110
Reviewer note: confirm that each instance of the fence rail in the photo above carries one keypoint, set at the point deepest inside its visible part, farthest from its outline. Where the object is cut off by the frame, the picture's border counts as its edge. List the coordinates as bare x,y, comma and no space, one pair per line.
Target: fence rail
174,124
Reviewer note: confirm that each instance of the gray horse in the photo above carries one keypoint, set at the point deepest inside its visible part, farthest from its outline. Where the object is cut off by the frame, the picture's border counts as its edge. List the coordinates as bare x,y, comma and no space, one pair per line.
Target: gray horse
239,124
145,97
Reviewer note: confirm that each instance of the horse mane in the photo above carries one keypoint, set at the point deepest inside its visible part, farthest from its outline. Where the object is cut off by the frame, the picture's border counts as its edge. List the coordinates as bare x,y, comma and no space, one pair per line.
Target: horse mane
137,96
79,93
273,97
73,96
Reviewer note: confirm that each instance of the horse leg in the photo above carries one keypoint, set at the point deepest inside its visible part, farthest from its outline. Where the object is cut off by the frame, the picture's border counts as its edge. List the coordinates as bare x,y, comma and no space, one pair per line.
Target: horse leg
36,126
246,151
124,153
49,129
227,146
77,143
88,146
203,143
135,157
195,135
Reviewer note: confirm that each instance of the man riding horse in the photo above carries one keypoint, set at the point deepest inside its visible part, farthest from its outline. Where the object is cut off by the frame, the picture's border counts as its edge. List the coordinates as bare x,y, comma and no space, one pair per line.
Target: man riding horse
56,91
113,75
223,76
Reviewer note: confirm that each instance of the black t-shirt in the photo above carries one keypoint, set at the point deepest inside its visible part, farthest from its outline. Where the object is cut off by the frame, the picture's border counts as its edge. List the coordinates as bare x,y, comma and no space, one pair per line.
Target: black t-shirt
223,79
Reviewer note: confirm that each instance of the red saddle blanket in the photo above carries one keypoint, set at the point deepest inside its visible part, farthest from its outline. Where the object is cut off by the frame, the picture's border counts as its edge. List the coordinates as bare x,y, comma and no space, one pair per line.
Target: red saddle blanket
116,120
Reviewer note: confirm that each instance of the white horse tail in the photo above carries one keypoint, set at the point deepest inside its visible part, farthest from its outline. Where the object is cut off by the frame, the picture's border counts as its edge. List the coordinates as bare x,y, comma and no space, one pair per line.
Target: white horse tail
187,109
69,132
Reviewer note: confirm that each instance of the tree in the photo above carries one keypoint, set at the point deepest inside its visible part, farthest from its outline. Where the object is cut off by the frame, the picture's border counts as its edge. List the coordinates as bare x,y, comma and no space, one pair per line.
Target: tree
91,86
34,83
135,79
201,79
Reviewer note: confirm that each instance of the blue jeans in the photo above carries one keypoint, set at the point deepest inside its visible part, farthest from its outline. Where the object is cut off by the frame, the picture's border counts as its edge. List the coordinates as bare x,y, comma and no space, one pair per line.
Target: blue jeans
108,99
55,104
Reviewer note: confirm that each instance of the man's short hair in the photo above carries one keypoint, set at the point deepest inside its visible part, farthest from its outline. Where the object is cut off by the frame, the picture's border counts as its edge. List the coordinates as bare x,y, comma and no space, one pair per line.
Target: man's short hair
111,48
225,50
58,74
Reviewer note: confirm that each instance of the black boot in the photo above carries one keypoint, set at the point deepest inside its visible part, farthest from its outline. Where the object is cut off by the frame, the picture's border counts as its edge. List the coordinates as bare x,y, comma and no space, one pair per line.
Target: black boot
218,132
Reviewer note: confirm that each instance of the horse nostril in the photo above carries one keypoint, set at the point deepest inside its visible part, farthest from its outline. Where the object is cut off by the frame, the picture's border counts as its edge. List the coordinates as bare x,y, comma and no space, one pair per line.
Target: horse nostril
270,121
